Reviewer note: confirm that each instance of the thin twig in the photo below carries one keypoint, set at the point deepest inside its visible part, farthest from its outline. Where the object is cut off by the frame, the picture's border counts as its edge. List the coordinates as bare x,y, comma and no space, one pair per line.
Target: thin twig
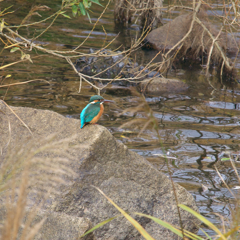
93,27
224,182
19,83
17,116
225,59
80,84
211,49
82,76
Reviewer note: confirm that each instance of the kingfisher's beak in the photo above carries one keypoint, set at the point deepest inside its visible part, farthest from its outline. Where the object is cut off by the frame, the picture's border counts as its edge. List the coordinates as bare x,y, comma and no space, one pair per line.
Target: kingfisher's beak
105,100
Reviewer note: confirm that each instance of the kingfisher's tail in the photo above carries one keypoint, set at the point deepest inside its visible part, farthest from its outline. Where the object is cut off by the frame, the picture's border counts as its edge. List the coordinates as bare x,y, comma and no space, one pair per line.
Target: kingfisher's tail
84,124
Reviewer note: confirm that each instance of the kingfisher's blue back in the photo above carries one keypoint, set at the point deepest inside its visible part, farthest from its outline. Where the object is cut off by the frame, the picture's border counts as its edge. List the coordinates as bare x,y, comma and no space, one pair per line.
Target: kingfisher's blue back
89,112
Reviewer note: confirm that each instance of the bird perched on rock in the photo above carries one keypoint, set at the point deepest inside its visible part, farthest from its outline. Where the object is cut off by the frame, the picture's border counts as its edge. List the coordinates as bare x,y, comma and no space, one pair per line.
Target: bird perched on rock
93,111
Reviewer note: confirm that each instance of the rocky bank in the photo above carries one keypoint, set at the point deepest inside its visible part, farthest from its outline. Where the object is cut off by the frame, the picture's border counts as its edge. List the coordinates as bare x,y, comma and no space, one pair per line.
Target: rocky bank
98,159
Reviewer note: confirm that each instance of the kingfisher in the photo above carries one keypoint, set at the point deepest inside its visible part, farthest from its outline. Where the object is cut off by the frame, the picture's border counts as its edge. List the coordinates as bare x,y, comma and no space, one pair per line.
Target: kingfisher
93,111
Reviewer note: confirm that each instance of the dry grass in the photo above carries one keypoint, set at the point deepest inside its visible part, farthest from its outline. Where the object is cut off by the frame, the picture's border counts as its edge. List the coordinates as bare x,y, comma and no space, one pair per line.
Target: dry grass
149,12
29,176
233,221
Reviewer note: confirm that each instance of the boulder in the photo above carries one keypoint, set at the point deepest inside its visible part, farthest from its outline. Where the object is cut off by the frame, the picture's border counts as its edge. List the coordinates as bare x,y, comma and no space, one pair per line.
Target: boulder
61,226
55,225
118,90
166,36
99,160
156,86
170,34
198,43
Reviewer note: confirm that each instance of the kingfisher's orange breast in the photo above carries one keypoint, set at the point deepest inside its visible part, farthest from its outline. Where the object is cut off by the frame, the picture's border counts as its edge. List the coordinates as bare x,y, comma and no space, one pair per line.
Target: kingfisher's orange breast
96,118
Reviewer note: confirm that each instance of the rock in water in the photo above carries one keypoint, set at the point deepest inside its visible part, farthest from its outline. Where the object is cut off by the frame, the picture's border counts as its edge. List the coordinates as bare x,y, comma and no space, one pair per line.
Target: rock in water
197,43
157,86
102,161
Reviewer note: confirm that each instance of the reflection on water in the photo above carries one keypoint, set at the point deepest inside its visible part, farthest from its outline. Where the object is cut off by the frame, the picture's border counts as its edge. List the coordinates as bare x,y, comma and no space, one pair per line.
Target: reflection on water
195,127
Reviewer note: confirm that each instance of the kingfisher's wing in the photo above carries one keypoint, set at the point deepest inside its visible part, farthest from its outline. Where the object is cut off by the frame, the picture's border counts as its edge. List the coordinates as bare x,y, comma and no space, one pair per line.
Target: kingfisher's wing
88,113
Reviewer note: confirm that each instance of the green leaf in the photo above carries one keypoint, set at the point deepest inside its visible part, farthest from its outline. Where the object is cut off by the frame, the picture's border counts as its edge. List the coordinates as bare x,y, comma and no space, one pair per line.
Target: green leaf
74,10
14,49
225,159
82,8
97,2
65,15
2,25
85,3
89,18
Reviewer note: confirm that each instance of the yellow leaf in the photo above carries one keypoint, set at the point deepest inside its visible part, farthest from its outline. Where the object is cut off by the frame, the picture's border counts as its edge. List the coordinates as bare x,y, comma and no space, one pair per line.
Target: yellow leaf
23,56
122,136
26,56
2,25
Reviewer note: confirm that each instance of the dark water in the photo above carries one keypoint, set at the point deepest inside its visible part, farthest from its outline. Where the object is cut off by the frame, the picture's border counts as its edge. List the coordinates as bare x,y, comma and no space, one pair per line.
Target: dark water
196,127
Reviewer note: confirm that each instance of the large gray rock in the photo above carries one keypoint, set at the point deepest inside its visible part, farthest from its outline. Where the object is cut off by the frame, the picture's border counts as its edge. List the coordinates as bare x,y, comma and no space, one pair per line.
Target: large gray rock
196,44
61,226
102,161
58,226
168,35
157,85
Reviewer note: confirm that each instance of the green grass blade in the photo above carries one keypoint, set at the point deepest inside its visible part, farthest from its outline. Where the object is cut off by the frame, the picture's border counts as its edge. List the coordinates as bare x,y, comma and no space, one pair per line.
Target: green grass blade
171,227
89,18
162,223
203,219
99,225
208,237
141,230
